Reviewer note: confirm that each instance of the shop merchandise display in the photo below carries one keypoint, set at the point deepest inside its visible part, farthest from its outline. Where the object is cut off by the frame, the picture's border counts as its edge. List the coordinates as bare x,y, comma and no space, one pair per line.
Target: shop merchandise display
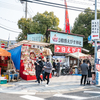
29,56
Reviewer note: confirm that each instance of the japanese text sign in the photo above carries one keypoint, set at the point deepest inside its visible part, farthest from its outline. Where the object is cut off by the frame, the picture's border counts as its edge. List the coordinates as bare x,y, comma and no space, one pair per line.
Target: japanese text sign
95,29
66,39
66,49
35,37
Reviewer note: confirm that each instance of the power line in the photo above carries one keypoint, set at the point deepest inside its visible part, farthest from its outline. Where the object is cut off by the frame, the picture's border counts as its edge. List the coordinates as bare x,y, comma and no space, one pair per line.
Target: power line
52,5
56,5
7,20
9,6
31,9
9,29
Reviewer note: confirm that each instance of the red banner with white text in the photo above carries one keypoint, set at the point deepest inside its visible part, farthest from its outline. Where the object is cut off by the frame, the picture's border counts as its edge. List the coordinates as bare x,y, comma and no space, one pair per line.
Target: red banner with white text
66,49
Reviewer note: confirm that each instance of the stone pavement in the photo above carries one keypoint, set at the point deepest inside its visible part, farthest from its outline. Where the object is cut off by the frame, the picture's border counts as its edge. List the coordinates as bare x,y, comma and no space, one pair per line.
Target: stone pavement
57,85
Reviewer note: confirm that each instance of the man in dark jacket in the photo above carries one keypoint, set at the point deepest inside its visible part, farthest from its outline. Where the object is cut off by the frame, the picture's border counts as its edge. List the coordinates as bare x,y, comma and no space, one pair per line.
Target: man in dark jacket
38,68
84,68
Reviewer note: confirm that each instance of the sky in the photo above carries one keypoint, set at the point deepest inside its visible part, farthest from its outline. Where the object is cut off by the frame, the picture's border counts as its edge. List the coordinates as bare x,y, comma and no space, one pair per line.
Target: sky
12,10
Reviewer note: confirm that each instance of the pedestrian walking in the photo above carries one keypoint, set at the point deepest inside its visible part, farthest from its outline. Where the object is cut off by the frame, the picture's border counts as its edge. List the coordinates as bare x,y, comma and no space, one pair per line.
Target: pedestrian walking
89,73
43,72
84,68
36,68
48,70
58,67
54,67
39,66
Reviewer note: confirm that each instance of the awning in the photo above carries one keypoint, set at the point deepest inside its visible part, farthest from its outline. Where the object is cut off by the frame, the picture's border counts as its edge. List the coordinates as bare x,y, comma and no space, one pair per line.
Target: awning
78,55
29,43
3,52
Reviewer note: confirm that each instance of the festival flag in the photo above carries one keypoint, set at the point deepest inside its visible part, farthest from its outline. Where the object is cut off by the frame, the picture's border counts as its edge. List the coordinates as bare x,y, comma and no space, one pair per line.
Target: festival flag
67,25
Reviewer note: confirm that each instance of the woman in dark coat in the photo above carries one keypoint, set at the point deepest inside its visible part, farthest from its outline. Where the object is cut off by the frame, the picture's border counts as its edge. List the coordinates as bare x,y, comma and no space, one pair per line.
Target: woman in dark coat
58,67
89,73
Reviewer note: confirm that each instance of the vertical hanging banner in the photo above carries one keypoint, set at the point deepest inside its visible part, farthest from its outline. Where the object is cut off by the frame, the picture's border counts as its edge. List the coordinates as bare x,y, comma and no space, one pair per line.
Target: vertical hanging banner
95,29
67,25
98,66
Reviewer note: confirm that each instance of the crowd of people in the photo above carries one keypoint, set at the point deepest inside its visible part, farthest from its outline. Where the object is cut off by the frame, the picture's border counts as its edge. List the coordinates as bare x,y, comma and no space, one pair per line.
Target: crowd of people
44,67
87,74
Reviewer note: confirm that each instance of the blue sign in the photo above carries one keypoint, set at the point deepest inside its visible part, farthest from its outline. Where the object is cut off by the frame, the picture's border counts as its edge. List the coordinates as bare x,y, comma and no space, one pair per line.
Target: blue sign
35,37
66,39
89,38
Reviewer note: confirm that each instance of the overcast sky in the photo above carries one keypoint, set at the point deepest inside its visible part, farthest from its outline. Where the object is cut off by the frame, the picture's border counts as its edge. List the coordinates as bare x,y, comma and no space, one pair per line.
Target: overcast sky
12,10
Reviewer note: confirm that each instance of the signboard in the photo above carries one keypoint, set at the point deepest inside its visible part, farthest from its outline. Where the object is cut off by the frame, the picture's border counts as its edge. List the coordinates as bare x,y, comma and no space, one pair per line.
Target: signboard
66,49
95,29
66,39
98,65
2,45
35,37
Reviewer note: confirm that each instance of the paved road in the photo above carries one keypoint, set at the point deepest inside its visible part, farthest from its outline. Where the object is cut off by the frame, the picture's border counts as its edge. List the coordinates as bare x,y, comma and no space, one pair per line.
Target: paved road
89,94
60,88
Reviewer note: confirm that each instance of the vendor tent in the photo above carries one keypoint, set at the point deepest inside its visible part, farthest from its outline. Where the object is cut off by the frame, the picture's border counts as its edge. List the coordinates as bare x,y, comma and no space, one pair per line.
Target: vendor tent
78,55
29,43
15,56
3,52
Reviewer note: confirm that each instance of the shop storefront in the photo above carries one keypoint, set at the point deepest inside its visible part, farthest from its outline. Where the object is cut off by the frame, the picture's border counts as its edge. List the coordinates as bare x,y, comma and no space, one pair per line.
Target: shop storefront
29,52
66,43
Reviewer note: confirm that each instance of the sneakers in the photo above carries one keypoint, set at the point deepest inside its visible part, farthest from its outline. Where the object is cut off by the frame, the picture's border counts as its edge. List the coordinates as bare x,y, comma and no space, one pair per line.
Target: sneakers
46,85
41,82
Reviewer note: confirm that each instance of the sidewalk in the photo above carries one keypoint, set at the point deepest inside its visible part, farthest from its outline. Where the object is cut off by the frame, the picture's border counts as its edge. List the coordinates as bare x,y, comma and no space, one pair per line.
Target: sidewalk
57,84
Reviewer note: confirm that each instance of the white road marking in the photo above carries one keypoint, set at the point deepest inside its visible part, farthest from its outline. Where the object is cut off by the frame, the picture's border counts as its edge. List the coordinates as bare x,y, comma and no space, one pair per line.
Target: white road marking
31,97
96,92
18,92
74,97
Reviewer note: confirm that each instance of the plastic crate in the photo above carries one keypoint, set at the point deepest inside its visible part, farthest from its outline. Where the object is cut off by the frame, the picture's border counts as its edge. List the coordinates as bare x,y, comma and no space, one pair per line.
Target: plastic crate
3,81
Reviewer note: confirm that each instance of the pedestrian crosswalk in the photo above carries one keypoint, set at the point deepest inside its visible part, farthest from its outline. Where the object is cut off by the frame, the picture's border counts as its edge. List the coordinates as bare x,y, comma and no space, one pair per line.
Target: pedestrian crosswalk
59,96
29,97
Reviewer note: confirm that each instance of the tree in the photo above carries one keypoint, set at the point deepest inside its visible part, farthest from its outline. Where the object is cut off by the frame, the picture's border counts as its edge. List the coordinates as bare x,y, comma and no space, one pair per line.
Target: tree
44,22
82,25
39,24
24,25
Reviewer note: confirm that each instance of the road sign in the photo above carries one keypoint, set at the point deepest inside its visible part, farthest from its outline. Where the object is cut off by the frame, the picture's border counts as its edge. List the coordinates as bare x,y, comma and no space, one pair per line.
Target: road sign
95,29
89,38
2,45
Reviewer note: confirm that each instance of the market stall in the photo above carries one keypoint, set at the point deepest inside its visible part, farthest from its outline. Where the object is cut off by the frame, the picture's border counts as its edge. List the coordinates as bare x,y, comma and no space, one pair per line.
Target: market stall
4,55
4,59
76,59
29,52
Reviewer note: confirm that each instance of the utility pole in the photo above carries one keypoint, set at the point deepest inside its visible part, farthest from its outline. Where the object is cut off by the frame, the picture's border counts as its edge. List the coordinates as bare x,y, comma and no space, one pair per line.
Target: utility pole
26,9
95,52
22,1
